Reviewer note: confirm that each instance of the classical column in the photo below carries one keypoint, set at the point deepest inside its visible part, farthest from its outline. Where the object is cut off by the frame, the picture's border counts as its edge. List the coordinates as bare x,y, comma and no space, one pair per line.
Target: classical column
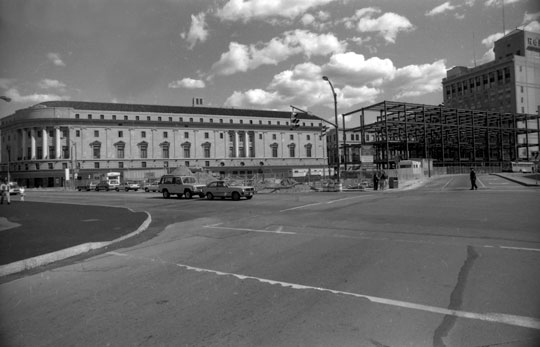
236,140
57,145
32,143
22,143
45,143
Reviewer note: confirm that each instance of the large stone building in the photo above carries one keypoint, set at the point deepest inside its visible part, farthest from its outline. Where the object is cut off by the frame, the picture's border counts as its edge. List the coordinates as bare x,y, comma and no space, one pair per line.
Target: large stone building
39,144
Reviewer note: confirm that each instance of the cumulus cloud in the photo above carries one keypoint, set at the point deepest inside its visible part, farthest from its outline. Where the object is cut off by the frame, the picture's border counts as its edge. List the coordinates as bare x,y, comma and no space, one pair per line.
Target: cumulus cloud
246,10
188,83
49,83
198,30
16,96
441,9
55,59
356,80
499,3
241,58
388,25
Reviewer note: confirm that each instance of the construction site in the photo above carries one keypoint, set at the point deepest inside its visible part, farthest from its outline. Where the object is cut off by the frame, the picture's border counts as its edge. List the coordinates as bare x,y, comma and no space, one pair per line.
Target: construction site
446,137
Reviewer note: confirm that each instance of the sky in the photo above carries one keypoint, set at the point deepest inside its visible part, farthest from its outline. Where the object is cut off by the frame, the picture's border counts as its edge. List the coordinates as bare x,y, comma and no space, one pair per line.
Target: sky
255,54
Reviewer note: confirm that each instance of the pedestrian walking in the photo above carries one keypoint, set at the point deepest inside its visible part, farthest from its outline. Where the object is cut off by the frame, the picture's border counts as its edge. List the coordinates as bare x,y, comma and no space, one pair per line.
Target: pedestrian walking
382,182
472,176
4,191
376,180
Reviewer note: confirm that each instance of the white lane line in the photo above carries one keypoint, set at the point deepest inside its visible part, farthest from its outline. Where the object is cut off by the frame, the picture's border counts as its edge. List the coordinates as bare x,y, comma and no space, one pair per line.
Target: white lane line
328,202
299,207
482,183
447,183
217,226
521,321
372,238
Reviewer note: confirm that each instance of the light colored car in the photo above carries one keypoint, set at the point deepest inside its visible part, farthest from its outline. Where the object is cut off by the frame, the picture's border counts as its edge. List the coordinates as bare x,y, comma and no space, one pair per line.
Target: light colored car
127,186
14,188
151,186
221,189
186,186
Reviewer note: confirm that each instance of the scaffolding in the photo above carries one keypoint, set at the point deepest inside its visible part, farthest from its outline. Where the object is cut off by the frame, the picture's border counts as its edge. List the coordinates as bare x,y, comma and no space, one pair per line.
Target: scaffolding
447,137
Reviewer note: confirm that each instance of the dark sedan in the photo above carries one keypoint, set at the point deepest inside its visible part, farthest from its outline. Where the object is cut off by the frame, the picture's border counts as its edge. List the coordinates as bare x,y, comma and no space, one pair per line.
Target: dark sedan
103,186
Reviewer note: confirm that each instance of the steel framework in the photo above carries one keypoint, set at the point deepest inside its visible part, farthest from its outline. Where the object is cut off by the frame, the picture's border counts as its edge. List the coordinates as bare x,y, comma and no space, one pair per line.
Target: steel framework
448,136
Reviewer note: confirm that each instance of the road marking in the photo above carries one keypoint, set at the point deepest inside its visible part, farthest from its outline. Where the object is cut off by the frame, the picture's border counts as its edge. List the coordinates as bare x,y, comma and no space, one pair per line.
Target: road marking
217,226
482,183
328,202
372,238
447,183
521,321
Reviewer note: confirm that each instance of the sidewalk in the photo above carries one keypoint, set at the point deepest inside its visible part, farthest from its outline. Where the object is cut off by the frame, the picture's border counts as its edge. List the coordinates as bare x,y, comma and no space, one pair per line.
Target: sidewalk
33,234
529,180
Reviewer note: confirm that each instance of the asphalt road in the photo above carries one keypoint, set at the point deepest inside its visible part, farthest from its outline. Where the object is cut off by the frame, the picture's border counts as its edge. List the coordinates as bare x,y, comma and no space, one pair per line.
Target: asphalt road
437,266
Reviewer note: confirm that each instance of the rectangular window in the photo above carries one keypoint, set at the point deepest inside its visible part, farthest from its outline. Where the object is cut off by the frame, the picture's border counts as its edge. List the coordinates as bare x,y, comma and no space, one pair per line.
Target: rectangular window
143,164
96,152
206,135
292,137
120,133
114,117
96,133
159,119
121,164
89,116
165,134
137,118
101,116
291,151
144,152
260,137
143,133
96,165
77,133
274,152
274,137
148,118
170,119
51,166
77,116
186,152
165,152
207,152
186,135
308,151
221,135
125,117
207,163
120,152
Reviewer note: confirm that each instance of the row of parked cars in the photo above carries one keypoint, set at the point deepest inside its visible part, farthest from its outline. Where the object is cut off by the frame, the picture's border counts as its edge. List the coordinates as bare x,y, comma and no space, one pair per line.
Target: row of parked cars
180,186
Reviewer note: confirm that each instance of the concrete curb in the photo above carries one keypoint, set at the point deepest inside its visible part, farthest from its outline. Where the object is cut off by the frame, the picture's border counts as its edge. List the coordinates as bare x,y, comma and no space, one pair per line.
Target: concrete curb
528,182
52,257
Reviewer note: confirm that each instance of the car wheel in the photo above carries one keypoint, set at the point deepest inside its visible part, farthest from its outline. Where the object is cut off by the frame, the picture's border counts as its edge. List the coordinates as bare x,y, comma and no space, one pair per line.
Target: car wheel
146,190
135,189
235,196
166,194
188,194
127,189
107,189
210,196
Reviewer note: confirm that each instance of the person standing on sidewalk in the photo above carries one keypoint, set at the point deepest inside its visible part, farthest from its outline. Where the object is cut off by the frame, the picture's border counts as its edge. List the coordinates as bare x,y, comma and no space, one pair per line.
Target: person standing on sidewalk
472,176
4,191
376,180
382,183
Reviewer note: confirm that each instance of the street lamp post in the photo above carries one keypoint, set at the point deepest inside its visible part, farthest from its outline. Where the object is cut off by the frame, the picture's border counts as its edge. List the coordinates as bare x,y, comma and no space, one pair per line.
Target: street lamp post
337,129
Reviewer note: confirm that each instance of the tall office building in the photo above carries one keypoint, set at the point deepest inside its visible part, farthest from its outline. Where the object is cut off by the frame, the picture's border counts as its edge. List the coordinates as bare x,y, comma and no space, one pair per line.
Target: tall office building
508,84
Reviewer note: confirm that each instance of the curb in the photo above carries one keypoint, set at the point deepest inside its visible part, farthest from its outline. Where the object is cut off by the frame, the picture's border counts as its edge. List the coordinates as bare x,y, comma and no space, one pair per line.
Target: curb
52,257
524,182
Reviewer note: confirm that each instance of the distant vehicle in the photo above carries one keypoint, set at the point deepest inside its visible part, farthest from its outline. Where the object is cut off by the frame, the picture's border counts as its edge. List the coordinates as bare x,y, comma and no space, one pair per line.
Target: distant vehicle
113,178
151,186
220,189
103,185
519,166
14,188
127,186
186,186
88,186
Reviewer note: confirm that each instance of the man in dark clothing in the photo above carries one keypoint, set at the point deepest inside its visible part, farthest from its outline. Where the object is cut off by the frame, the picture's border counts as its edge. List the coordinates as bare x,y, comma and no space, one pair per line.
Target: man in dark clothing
472,176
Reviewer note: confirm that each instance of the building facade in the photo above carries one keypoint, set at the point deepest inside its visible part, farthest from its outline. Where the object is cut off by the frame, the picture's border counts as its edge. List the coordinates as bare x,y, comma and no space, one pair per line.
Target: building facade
509,84
41,144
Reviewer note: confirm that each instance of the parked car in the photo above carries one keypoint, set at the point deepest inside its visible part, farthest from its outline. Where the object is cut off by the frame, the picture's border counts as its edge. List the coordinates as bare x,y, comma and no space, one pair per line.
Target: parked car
127,186
186,186
103,185
151,186
91,185
14,188
221,189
